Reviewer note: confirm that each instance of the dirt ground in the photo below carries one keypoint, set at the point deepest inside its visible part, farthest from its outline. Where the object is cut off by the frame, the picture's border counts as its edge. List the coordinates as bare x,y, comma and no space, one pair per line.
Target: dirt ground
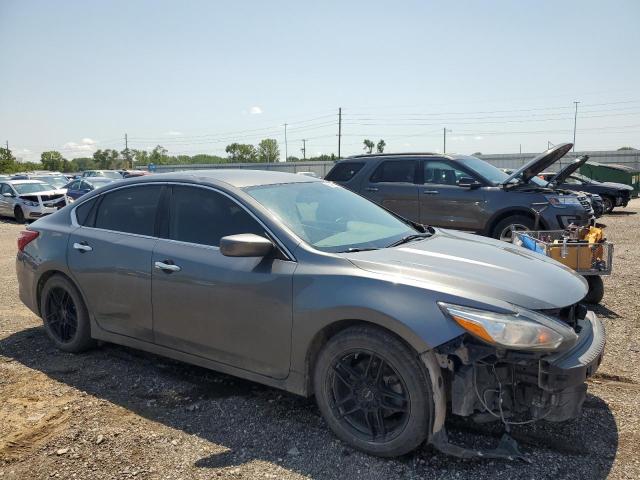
118,413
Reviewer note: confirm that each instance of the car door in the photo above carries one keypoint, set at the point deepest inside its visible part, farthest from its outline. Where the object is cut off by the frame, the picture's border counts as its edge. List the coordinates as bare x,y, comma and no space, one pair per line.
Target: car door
444,203
393,186
236,311
110,257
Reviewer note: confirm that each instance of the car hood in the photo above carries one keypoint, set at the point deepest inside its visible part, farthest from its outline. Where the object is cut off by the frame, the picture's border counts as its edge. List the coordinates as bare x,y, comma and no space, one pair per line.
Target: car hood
43,194
563,174
619,186
477,267
540,163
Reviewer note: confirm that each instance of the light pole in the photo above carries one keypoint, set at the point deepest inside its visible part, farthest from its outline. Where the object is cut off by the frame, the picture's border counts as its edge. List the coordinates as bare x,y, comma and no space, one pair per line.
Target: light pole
286,154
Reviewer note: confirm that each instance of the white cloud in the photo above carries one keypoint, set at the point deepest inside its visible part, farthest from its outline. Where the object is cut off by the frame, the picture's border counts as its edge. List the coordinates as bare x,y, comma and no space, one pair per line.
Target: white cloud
173,133
478,138
86,146
255,110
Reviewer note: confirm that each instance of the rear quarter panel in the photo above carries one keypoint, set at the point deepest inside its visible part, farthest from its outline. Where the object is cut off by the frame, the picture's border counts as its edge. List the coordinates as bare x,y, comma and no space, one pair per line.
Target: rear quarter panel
47,253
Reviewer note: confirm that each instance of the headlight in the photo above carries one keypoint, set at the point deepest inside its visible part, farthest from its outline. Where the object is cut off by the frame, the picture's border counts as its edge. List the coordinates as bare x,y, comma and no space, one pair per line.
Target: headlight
29,203
563,201
518,330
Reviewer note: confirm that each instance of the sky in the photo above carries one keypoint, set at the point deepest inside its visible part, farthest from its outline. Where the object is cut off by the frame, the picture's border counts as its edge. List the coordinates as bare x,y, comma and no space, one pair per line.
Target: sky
194,76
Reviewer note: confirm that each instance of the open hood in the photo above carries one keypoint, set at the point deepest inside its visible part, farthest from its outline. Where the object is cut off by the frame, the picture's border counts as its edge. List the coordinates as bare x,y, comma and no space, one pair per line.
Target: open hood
540,163
563,174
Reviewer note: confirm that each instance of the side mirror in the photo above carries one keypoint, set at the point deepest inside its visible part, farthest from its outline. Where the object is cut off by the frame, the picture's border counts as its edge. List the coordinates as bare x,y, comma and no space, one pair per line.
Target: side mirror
245,245
8,195
469,182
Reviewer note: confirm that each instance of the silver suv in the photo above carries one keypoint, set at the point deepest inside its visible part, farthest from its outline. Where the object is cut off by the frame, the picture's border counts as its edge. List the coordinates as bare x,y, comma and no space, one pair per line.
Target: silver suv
464,192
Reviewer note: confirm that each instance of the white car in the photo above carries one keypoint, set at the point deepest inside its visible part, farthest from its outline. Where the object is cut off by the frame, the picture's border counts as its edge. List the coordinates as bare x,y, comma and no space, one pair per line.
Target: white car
29,199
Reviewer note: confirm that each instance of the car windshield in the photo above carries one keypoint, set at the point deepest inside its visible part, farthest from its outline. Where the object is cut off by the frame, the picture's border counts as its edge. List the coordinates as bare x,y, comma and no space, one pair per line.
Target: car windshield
492,174
583,178
58,181
110,174
24,188
99,182
331,218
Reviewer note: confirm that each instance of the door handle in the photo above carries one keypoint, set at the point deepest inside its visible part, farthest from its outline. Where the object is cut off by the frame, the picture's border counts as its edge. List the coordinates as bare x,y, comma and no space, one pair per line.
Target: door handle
431,192
371,189
167,267
82,247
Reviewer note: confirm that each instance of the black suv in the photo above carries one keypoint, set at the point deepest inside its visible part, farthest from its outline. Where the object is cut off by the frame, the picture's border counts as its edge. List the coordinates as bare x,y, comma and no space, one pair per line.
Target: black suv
613,194
464,192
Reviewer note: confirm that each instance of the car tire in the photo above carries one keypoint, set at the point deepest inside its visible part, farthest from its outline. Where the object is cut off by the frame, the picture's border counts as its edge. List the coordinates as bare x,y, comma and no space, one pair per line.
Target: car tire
521,223
19,215
596,289
608,204
65,316
373,392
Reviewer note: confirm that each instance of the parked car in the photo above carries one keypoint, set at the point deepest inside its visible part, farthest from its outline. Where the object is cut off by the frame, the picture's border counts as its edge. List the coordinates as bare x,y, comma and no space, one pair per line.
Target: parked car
54,179
29,199
300,284
134,173
77,188
113,174
612,194
464,192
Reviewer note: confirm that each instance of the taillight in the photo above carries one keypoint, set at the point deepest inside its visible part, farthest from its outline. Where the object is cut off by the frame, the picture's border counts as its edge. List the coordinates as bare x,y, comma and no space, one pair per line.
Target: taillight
25,237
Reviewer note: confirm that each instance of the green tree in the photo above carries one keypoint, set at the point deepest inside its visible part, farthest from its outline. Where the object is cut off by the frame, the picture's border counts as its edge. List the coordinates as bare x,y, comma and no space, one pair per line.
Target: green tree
242,152
292,158
380,146
53,160
159,156
8,162
81,164
108,159
368,145
268,151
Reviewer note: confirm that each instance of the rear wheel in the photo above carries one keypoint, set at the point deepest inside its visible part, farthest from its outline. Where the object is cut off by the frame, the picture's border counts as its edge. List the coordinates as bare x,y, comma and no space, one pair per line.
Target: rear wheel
65,315
607,204
520,223
373,392
19,214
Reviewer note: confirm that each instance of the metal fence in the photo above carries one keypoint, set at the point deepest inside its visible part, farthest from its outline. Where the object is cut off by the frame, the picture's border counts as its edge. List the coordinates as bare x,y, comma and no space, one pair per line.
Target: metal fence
630,158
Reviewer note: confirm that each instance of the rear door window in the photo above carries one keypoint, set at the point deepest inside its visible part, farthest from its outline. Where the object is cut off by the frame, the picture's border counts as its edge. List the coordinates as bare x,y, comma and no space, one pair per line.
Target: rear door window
203,216
395,171
343,172
129,210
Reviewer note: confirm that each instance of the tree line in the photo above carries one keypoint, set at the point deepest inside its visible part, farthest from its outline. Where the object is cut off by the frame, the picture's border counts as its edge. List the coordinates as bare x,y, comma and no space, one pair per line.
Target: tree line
266,151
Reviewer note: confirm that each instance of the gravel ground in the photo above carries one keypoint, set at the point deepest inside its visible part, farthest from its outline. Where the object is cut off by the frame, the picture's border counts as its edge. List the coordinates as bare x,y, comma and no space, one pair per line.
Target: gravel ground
118,413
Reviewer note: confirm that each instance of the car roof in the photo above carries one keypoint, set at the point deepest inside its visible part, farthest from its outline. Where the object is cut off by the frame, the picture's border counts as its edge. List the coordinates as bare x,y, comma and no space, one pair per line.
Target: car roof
238,178
20,182
402,154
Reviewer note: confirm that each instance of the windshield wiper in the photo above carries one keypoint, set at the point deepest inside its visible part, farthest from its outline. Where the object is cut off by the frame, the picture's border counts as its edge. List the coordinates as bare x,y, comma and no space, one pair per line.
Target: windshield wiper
356,249
409,238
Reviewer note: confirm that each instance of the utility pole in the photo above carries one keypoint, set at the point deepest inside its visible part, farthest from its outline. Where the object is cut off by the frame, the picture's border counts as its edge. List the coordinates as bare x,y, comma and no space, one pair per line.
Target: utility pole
304,148
286,154
339,130
444,142
126,152
7,143
575,121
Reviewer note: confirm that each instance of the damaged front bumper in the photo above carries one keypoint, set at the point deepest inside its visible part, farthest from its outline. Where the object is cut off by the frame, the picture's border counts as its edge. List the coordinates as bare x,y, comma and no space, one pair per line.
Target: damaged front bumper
516,388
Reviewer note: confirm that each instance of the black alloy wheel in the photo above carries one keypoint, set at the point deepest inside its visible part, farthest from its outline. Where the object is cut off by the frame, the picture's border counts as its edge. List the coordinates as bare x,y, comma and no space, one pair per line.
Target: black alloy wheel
369,395
62,315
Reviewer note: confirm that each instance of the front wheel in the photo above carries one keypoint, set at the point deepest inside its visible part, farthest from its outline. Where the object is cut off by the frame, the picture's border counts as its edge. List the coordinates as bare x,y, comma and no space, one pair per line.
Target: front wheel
505,227
373,392
19,214
607,203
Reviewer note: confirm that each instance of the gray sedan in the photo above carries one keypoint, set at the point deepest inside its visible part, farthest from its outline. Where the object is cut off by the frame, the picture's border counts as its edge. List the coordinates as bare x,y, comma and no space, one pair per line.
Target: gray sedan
300,284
